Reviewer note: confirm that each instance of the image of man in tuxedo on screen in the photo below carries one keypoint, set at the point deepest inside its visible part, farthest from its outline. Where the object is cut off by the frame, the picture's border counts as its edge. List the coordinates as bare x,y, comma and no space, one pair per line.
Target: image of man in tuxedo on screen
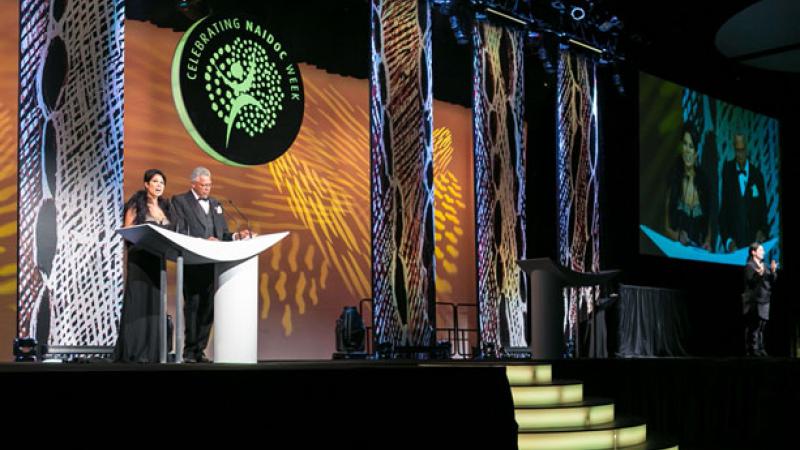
200,215
743,208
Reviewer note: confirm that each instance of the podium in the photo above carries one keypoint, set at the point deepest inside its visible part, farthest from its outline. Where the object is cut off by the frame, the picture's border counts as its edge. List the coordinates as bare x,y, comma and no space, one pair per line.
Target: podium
546,305
235,286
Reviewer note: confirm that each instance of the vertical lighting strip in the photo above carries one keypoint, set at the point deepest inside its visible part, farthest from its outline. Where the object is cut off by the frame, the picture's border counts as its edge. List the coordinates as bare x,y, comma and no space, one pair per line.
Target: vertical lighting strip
70,171
499,158
401,122
578,184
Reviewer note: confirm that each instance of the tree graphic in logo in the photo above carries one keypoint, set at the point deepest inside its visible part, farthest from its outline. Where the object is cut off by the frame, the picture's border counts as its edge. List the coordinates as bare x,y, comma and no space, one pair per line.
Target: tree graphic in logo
244,87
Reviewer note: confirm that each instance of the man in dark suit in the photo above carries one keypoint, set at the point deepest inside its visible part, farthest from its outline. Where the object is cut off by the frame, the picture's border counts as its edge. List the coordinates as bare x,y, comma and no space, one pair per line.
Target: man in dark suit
199,215
743,208
758,281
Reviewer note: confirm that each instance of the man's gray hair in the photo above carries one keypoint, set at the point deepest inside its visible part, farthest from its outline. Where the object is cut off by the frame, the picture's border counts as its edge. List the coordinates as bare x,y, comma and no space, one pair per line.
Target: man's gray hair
199,172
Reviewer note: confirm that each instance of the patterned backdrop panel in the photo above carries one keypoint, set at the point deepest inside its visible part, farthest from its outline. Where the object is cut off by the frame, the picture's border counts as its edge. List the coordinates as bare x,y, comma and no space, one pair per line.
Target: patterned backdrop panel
578,182
9,98
70,171
499,155
403,267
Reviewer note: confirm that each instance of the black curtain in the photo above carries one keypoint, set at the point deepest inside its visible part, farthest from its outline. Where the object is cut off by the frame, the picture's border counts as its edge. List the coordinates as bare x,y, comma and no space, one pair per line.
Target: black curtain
651,322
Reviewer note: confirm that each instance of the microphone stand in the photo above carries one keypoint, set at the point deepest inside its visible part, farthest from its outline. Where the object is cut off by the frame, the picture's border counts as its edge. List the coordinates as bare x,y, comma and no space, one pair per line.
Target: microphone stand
241,214
230,216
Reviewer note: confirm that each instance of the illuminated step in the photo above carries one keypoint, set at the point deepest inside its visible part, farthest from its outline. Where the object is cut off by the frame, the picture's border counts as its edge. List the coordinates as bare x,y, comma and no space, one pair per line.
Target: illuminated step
527,375
658,444
586,413
620,433
552,394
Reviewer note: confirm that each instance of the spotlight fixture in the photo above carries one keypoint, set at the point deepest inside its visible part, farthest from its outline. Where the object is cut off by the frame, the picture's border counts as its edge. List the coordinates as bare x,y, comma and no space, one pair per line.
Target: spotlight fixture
563,41
547,65
534,38
384,350
192,9
580,26
488,350
458,31
350,334
445,6
25,350
611,23
577,13
616,78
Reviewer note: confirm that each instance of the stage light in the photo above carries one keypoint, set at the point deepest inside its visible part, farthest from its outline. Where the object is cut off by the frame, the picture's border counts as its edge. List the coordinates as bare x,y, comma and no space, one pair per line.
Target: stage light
534,39
25,350
508,17
384,350
442,350
577,13
558,6
480,16
583,45
617,79
458,32
563,41
192,9
607,25
547,65
350,332
445,6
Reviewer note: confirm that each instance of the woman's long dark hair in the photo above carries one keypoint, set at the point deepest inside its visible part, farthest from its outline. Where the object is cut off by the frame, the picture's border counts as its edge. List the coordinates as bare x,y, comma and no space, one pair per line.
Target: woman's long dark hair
139,200
680,167
675,180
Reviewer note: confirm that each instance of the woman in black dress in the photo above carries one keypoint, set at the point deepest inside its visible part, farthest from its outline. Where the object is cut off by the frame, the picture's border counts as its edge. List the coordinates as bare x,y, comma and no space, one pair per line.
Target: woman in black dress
688,196
138,329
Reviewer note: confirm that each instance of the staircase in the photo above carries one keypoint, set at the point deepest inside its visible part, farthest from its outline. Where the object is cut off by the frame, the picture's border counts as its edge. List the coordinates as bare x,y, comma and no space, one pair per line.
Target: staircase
554,415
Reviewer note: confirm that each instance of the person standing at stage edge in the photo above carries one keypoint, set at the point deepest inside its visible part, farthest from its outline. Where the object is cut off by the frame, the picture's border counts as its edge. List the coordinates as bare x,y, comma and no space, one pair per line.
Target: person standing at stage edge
758,281
200,215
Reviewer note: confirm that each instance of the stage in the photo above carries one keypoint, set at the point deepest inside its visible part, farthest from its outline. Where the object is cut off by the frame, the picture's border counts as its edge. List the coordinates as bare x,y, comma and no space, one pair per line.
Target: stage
307,404
412,156
698,403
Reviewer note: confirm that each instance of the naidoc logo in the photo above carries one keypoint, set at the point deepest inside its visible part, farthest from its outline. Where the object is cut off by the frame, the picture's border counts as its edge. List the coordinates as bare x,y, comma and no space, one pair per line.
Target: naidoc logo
237,91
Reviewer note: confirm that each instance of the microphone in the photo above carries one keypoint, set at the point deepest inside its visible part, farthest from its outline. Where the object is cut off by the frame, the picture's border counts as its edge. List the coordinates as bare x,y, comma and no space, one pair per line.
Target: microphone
229,216
238,211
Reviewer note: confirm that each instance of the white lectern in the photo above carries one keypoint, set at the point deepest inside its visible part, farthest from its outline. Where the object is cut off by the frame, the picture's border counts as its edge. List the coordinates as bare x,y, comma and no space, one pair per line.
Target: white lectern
235,287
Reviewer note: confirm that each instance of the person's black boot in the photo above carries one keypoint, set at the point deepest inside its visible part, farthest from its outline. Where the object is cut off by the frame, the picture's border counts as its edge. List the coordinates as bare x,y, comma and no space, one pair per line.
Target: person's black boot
750,341
760,349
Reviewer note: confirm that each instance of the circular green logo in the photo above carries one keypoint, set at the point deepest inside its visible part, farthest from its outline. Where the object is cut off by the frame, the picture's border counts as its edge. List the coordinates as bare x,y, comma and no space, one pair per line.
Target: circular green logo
236,90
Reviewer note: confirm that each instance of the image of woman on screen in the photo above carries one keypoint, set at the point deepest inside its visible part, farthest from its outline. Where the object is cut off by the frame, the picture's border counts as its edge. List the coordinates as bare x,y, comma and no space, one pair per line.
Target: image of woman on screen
687,206
138,328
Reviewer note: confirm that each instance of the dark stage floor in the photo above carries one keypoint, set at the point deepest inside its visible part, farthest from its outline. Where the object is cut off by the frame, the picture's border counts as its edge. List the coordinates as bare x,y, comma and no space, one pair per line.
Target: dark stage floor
307,404
702,403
